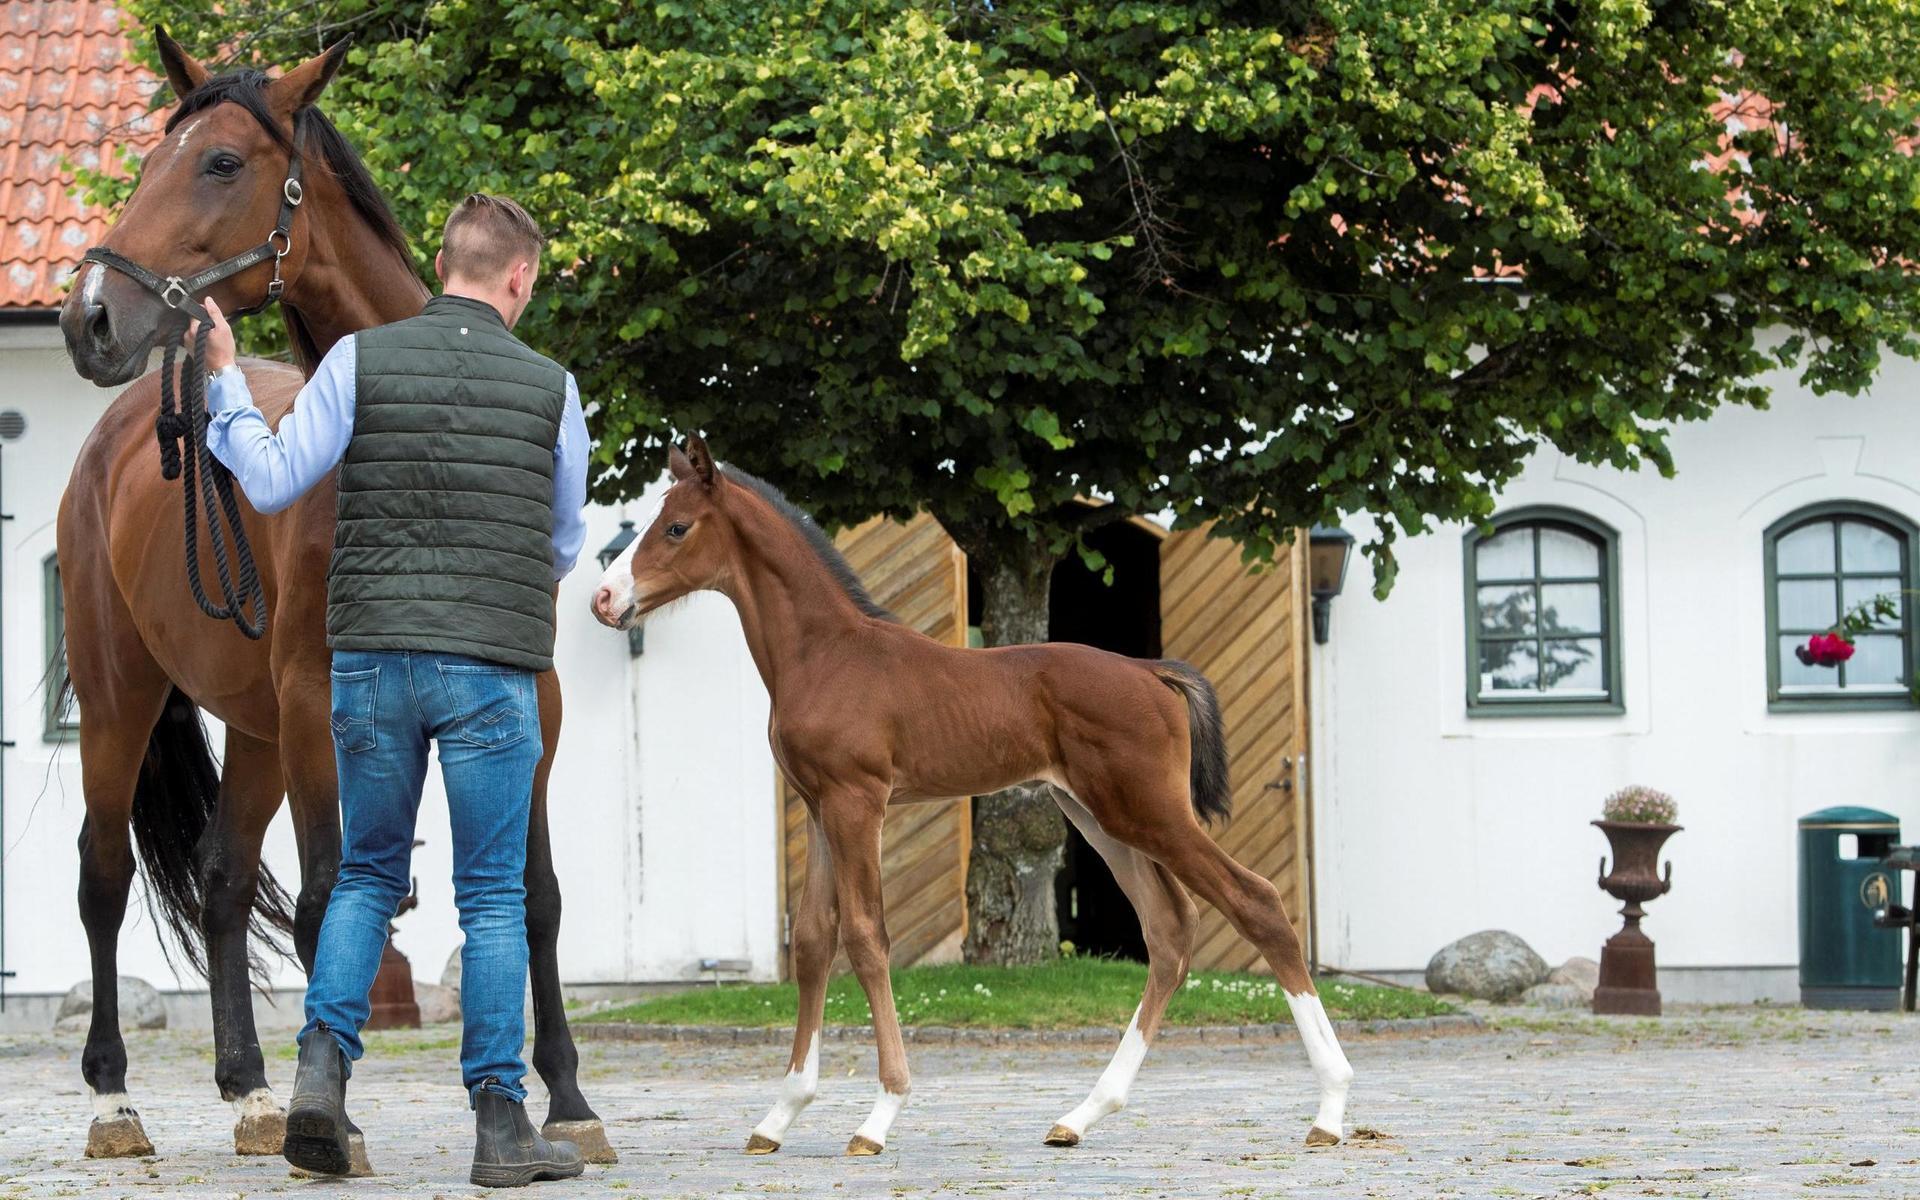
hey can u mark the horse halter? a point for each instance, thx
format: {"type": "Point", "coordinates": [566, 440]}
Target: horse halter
{"type": "Point", "coordinates": [182, 430]}
{"type": "Point", "coordinates": [182, 294]}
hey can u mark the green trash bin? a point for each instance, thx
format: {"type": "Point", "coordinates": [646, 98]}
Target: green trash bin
{"type": "Point", "coordinates": [1844, 961]}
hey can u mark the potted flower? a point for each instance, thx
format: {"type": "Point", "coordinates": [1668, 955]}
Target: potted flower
{"type": "Point", "coordinates": [1637, 821]}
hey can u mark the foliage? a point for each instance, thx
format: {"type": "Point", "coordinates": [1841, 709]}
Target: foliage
{"type": "Point", "coordinates": [1068, 993]}
{"type": "Point", "coordinates": [1232, 260]}
{"type": "Point", "coordinates": [1640, 804]}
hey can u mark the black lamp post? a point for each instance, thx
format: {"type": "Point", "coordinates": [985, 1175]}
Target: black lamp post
{"type": "Point", "coordinates": [1328, 549]}
{"type": "Point", "coordinates": [615, 547]}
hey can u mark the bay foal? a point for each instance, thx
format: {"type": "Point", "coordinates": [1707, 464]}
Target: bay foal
{"type": "Point", "coordinates": [868, 713]}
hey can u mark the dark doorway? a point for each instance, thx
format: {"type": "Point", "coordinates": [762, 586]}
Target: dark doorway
{"type": "Point", "coordinates": [1123, 617]}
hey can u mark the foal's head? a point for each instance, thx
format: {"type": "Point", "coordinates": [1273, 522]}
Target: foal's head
{"type": "Point", "coordinates": [210, 190]}
{"type": "Point", "coordinates": [684, 543]}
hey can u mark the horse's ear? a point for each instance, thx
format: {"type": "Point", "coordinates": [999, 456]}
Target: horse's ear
{"type": "Point", "coordinates": [677, 464]}
{"type": "Point", "coordinates": [701, 459]}
{"type": "Point", "coordinates": [184, 72]}
{"type": "Point", "coordinates": [301, 86]}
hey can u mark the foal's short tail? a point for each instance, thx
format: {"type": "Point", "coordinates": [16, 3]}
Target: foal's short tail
{"type": "Point", "coordinates": [1212, 797]}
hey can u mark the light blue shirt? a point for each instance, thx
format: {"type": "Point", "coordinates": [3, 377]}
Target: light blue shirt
{"type": "Point", "coordinates": [275, 469]}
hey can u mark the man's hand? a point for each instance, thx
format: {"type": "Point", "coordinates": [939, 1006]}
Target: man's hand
{"type": "Point", "coordinates": [220, 350]}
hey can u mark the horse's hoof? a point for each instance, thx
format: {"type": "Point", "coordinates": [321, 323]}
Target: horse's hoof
{"type": "Point", "coordinates": [358, 1165]}
{"type": "Point", "coordinates": [121, 1137]}
{"type": "Point", "coordinates": [1320, 1137]}
{"type": "Point", "coordinates": [1060, 1135]}
{"type": "Point", "coordinates": [760, 1143]}
{"type": "Point", "coordinates": [863, 1147]}
{"type": "Point", "coordinates": [589, 1135]}
{"type": "Point", "coordinates": [262, 1133]}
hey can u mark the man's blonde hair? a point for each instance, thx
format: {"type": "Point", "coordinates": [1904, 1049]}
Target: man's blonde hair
{"type": "Point", "coordinates": [486, 235]}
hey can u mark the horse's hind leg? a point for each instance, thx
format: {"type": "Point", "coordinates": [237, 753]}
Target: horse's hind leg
{"type": "Point", "coordinates": [1254, 908]}
{"type": "Point", "coordinates": [112, 746]}
{"type": "Point", "coordinates": [816, 929]}
{"type": "Point", "coordinates": [1167, 920]}
{"type": "Point", "coordinates": [251, 786]}
{"type": "Point", "coordinates": [569, 1117]}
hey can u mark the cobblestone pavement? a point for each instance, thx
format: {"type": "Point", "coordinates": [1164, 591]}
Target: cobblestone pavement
{"type": "Point", "coordinates": [1727, 1103]}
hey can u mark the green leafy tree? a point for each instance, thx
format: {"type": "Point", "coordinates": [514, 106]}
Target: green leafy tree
{"type": "Point", "coordinates": [1259, 264]}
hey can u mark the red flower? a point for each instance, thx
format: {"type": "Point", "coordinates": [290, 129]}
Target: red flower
{"type": "Point", "coordinates": [1827, 650]}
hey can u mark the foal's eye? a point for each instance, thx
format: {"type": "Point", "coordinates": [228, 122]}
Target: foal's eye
{"type": "Point", "coordinates": [677, 530]}
{"type": "Point", "coordinates": [226, 166]}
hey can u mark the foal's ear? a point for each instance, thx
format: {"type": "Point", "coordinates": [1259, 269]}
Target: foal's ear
{"type": "Point", "coordinates": [184, 72]}
{"type": "Point", "coordinates": [677, 464]}
{"type": "Point", "coordinates": [301, 86]}
{"type": "Point", "coordinates": [701, 459]}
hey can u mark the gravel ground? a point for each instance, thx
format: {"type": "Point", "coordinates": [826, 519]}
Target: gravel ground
{"type": "Point", "coordinates": [1749, 1102]}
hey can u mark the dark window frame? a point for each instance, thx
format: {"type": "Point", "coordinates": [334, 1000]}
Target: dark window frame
{"type": "Point", "coordinates": [1838, 511]}
{"type": "Point", "coordinates": [1546, 704]}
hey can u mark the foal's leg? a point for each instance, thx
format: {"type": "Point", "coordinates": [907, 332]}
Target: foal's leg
{"type": "Point", "coordinates": [816, 929]}
{"type": "Point", "coordinates": [569, 1117]}
{"type": "Point", "coordinates": [1167, 919]}
{"type": "Point", "coordinates": [250, 791]}
{"type": "Point", "coordinates": [1253, 906]}
{"type": "Point", "coordinates": [853, 835]}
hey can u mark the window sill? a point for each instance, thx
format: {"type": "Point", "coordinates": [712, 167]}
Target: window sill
{"type": "Point", "coordinates": [1840, 704]}
{"type": "Point", "coordinates": [1547, 708]}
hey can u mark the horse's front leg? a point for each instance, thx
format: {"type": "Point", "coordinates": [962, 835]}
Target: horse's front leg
{"type": "Point", "coordinates": [569, 1117]}
{"type": "Point", "coordinates": [853, 820]}
{"type": "Point", "coordinates": [250, 789]}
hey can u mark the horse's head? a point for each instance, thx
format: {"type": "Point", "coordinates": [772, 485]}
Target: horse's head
{"type": "Point", "coordinates": [210, 190]}
{"type": "Point", "coordinates": [684, 544]}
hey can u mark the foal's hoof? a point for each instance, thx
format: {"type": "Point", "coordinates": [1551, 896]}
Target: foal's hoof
{"type": "Point", "coordinates": [590, 1136]}
{"type": "Point", "coordinates": [1060, 1135]}
{"type": "Point", "coordinates": [1320, 1137]}
{"type": "Point", "coordinates": [120, 1137]}
{"type": "Point", "coordinates": [760, 1143]}
{"type": "Point", "coordinates": [863, 1147]}
{"type": "Point", "coordinates": [262, 1133]}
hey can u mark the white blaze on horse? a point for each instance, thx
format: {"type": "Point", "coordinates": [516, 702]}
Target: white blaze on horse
{"type": "Point", "coordinates": [868, 713]}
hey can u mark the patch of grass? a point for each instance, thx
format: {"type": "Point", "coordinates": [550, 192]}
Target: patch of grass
{"type": "Point", "coordinates": [1068, 993]}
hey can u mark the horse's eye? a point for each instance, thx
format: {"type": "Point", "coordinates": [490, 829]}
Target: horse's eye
{"type": "Point", "coordinates": [226, 166]}
{"type": "Point", "coordinates": [677, 530]}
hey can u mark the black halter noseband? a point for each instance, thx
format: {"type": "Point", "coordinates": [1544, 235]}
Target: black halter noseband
{"type": "Point", "coordinates": [207, 481]}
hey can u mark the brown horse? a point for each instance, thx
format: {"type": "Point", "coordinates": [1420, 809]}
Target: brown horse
{"type": "Point", "coordinates": [868, 713]}
{"type": "Point", "coordinates": [142, 657]}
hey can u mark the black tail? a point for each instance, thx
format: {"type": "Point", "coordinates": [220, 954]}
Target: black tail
{"type": "Point", "coordinates": [173, 803]}
{"type": "Point", "coordinates": [1212, 795]}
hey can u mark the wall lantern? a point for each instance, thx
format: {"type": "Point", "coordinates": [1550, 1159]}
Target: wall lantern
{"type": "Point", "coordinates": [1328, 549]}
{"type": "Point", "coordinates": [622, 538]}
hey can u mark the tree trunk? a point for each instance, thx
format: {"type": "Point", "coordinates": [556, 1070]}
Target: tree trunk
{"type": "Point", "coordinates": [1019, 835]}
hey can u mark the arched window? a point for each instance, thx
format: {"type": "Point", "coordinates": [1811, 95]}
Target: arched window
{"type": "Point", "coordinates": [1543, 603]}
{"type": "Point", "coordinates": [1821, 562]}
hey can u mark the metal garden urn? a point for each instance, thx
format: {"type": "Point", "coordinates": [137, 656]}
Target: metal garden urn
{"type": "Point", "coordinates": [1627, 980]}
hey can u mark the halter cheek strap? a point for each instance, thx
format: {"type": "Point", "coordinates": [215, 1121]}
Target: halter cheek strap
{"type": "Point", "coordinates": [183, 293]}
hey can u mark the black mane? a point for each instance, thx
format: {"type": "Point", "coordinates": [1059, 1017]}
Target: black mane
{"type": "Point", "coordinates": [313, 135]}
{"type": "Point", "coordinates": [817, 540]}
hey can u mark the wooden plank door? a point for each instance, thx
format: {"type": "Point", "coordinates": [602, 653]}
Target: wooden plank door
{"type": "Point", "coordinates": [914, 569]}
{"type": "Point", "coordinates": [1247, 634]}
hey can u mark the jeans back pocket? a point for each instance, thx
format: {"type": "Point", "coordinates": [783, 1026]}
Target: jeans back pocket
{"type": "Point", "coordinates": [489, 703]}
{"type": "Point", "coordinates": [354, 696]}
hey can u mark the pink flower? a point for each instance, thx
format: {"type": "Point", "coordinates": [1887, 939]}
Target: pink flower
{"type": "Point", "coordinates": [1827, 650]}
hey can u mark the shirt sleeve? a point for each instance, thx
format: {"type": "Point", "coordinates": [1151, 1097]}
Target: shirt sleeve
{"type": "Point", "coordinates": [570, 453]}
{"type": "Point", "coordinates": [277, 468]}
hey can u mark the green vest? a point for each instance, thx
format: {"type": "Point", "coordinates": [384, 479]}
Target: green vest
{"type": "Point", "coordinates": [445, 532]}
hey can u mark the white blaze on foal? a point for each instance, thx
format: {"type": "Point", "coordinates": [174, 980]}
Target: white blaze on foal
{"type": "Point", "coordinates": [619, 577]}
{"type": "Point", "coordinates": [1329, 1067]}
{"type": "Point", "coordinates": [796, 1092]}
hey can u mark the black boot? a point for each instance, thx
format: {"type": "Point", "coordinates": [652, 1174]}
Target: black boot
{"type": "Point", "coordinates": [317, 1122]}
{"type": "Point", "coordinates": [507, 1152]}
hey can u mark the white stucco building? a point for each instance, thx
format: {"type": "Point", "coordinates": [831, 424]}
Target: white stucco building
{"type": "Point", "coordinates": [1447, 803]}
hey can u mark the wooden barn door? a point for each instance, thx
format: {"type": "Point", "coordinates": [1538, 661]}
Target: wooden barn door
{"type": "Point", "coordinates": [1247, 634]}
{"type": "Point", "coordinates": [914, 569]}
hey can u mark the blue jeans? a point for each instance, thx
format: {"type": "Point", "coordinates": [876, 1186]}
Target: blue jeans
{"type": "Point", "coordinates": [387, 705]}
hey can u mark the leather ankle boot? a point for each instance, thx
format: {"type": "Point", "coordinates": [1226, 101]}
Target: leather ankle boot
{"type": "Point", "coordinates": [317, 1123]}
{"type": "Point", "coordinates": [509, 1152]}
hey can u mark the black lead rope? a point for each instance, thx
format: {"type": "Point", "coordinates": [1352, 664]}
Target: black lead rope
{"type": "Point", "coordinates": [205, 482]}
{"type": "Point", "coordinates": [181, 425]}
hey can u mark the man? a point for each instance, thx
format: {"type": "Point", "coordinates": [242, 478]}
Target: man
{"type": "Point", "coordinates": [463, 463]}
